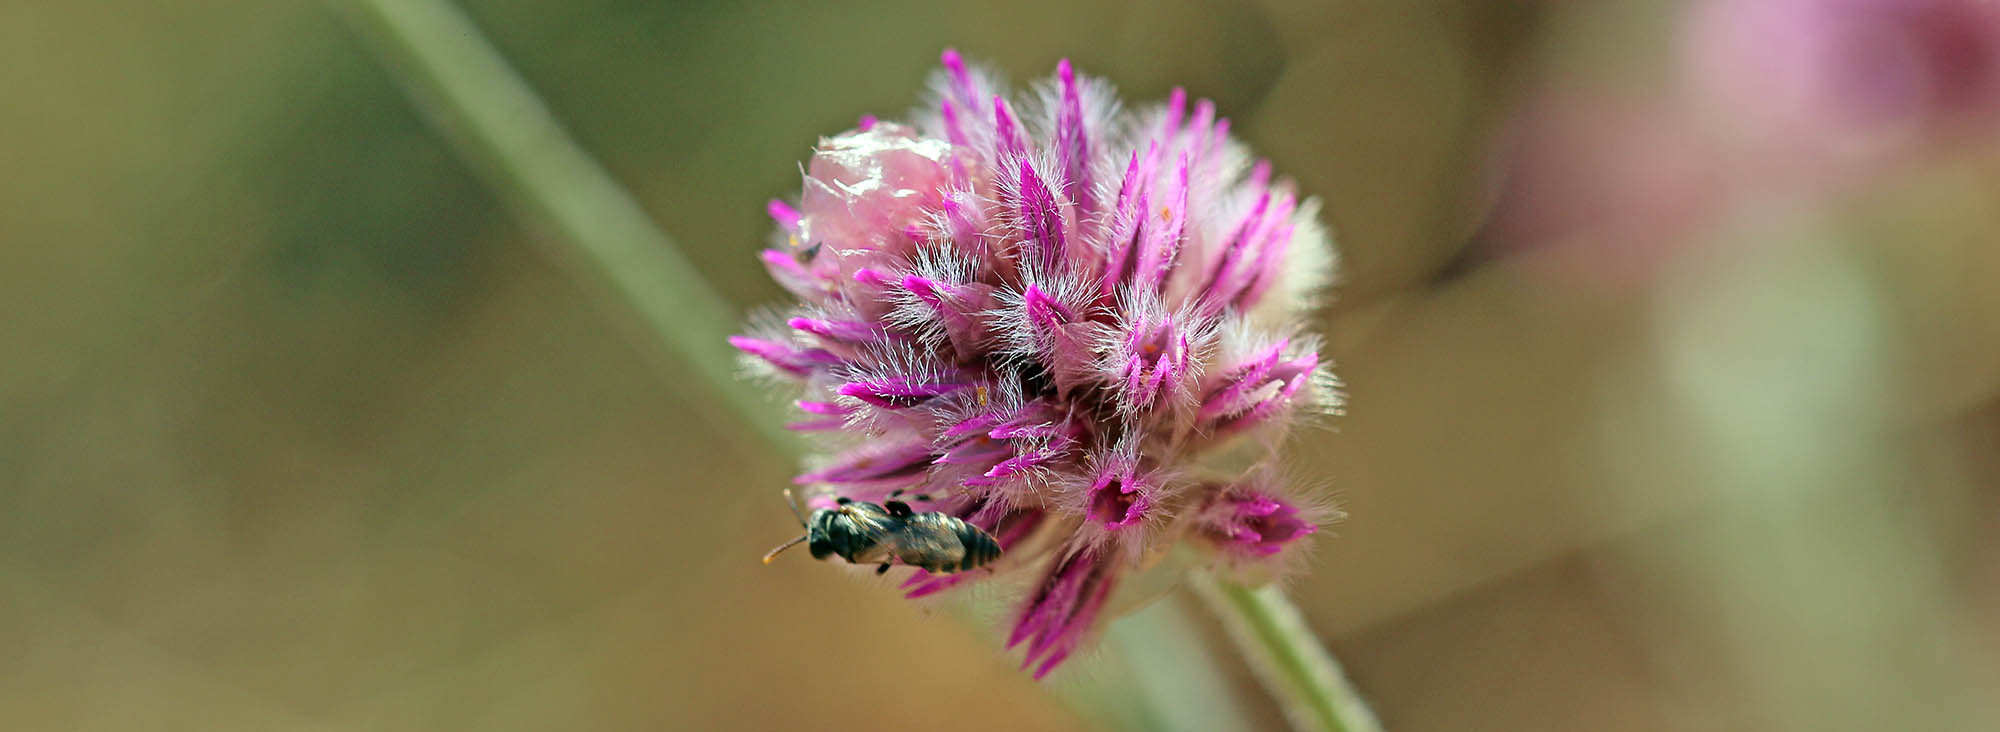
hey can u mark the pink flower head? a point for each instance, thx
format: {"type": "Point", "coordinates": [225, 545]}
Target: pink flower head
{"type": "Point", "coordinates": [1044, 315]}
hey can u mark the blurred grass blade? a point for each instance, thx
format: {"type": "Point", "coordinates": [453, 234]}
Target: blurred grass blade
{"type": "Point", "coordinates": [1287, 657]}
{"type": "Point", "coordinates": [501, 127]}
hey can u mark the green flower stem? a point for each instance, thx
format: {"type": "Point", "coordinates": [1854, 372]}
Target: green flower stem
{"type": "Point", "coordinates": [599, 232]}
{"type": "Point", "coordinates": [501, 127]}
{"type": "Point", "coordinates": [1287, 657]}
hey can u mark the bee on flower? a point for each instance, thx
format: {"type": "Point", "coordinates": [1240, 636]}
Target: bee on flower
{"type": "Point", "coordinates": [1076, 328]}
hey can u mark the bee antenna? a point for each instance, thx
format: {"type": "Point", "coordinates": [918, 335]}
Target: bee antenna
{"type": "Point", "coordinates": [794, 505]}
{"type": "Point", "coordinates": [773, 554]}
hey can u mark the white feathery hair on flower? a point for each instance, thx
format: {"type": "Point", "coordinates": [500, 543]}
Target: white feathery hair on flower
{"type": "Point", "coordinates": [1062, 322]}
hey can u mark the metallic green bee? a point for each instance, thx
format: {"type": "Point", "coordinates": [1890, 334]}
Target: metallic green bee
{"type": "Point", "coordinates": [864, 533]}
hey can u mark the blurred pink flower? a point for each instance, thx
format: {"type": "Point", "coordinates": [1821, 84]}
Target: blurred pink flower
{"type": "Point", "coordinates": [1040, 315]}
{"type": "Point", "coordinates": [1618, 180]}
{"type": "Point", "coordinates": [1815, 82]}
{"type": "Point", "coordinates": [1782, 103]}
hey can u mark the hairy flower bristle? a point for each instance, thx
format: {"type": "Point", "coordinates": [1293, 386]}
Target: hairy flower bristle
{"type": "Point", "coordinates": [1045, 315]}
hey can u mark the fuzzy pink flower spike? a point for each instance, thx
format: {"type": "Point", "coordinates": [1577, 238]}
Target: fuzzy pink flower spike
{"type": "Point", "coordinates": [1043, 315]}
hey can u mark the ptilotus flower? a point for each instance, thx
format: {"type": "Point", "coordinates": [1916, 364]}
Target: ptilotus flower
{"type": "Point", "coordinates": [1076, 327]}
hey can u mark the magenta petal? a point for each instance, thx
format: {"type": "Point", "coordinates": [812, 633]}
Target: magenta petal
{"type": "Point", "coordinates": [1162, 239]}
{"type": "Point", "coordinates": [923, 584]}
{"type": "Point", "coordinates": [1260, 175]}
{"type": "Point", "coordinates": [1176, 108]}
{"type": "Point", "coordinates": [817, 425]}
{"type": "Point", "coordinates": [838, 330]}
{"type": "Point", "coordinates": [831, 409]}
{"type": "Point", "coordinates": [1232, 265]}
{"type": "Point", "coordinates": [1045, 311]}
{"type": "Point", "coordinates": [871, 277]}
{"type": "Point", "coordinates": [1052, 600]}
{"type": "Point", "coordinates": [1270, 244]}
{"type": "Point", "coordinates": [1255, 525]}
{"type": "Point", "coordinates": [1118, 500]}
{"type": "Point", "coordinates": [966, 225]}
{"type": "Point", "coordinates": [1252, 254]}
{"type": "Point", "coordinates": [793, 276]}
{"type": "Point", "coordinates": [794, 361]}
{"type": "Point", "coordinates": [976, 451]}
{"type": "Point", "coordinates": [930, 291]}
{"type": "Point", "coordinates": [1288, 378]}
{"type": "Point", "coordinates": [1026, 426]}
{"type": "Point", "coordinates": [1204, 115]}
{"type": "Point", "coordinates": [1027, 458]}
{"type": "Point", "coordinates": [961, 80]}
{"type": "Point", "coordinates": [971, 426]}
{"type": "Point", "coordinates": [781, 212]}
{"type": "Point", "coordinates": [1006, 132]}
{"type": "Point", "coordinates": [1242, 381]}
{"type": "Point", "coordinates": [1215, 138]}
{"type": "Point", "coordinates": [1132, 218]}
{"type": "Point", "coordinates": [1072, 143]}
{"type": "Point", "coordinates": [1118, 246]}
{"type": "Point", "coordinates": [1049, 663]}
{"type": "Point", "coordinates": [1062, 611]}
{"type": "Point", "coordinates": [898, 393]}
{"type": "Point", "coordinates": [956, 307]}
{"type": "Point", "coordinates": [1156, 359]}
{"type": "Point", "coordinates": [1268, 260]}
{"type": "Point", "coordinates": [1019, 463]}
{"type": "Point", "coordinates": [1041, 220]}
{"type": "Point", "coordinates": [953, 131]}
{"type": "Point", "coordinates": [871, 464]}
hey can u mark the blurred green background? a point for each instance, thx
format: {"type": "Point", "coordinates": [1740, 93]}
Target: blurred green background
{"type": "Point", "coordinates": [301, 429]}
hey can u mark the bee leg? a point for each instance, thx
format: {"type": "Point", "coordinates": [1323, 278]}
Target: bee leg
{"type": "Point", "coordinates": [882, 570]}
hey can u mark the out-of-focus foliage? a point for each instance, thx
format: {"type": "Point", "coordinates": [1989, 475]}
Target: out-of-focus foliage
{"type": "Point", "coordinates": [1655, 422]}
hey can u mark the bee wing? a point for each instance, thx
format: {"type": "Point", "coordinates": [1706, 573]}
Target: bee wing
{"type": "Point", "coordinates": [864, 533]}
{"type": "Point", "coordinates": [928, 540]}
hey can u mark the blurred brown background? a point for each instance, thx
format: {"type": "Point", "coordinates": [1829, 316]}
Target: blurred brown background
{"type": "Point", "coordinates": [300, 429]}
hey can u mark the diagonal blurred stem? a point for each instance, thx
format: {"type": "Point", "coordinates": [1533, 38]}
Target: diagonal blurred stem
{"type": "Point", "coordinates": [502, 128]}
{"type": "Point", "coordinates": [505, 131]}
{"type": "Point", "coordinates": [1287, 657]}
